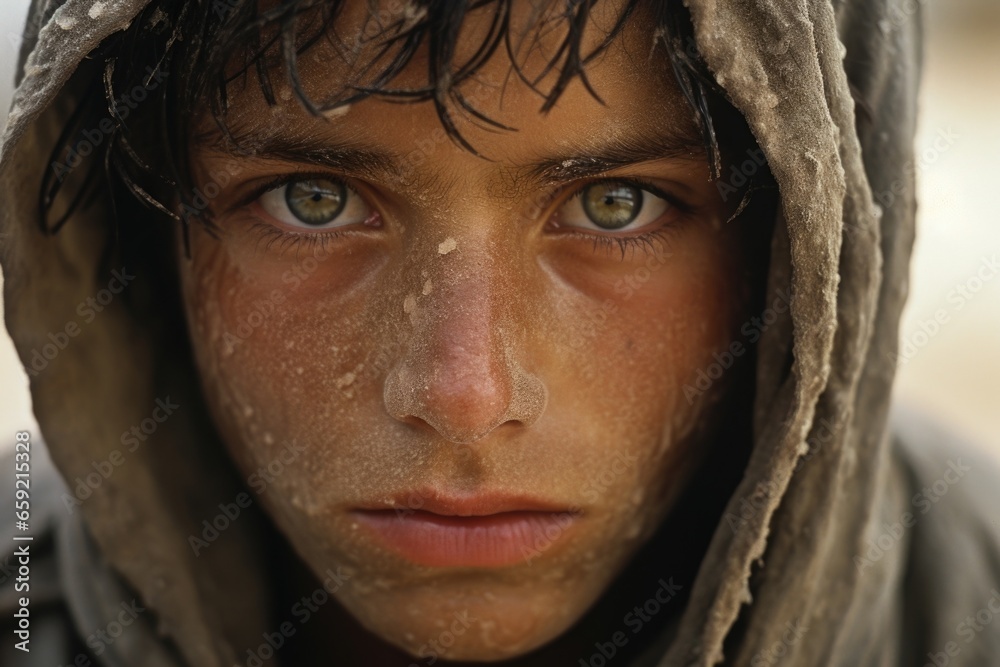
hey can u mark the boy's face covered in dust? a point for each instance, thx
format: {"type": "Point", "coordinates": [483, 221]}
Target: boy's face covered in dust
{"type": "Point", "coordinates": [477, 374]}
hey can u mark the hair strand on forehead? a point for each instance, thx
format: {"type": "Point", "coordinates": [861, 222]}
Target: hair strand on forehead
{"type": "Point", "coordinates": [199, 49]}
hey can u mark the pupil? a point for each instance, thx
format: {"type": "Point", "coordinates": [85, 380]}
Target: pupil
{"type": "Point", "coordinates": [316, 202]}
{"type": "Point", "coordinates": [612, 205]}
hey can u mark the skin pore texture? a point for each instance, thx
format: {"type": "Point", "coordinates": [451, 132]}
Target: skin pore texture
{"type": "Point", "coordinates": [463, 334]}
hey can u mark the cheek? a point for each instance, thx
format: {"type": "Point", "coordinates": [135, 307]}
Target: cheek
{"type": "Point", "coordinates": [635, 341]}
{"type": "Point", "coordinates": [285, 360]}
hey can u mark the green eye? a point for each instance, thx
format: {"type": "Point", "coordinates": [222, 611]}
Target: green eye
{"type": "Point", "coordinates": [611, 205]}
{"type": "Point", "coordinates": [316, 202]}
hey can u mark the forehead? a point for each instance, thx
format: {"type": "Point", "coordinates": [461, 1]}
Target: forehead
{"type": "Point", "coordinates": [632, 90]}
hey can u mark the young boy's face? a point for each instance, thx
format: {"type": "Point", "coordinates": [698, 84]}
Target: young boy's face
{"type": "Point", "coordinates": [499, 348]}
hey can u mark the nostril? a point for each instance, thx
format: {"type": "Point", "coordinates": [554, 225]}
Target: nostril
{"type": "Point", "coordinates": [459, 371]}
{"type": "Point", "coordinates": [460, 404]}
{"type": "Point", "coordinates": [464, 412]}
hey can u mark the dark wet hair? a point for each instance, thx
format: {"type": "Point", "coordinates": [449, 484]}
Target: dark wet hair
{"type": "Point", "coordinates": [178, 56]}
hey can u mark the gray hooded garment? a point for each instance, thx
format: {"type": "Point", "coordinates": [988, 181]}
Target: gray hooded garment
{"type": "Point", "coordinates": [812, 538]}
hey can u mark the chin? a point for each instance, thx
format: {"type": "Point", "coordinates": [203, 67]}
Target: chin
{"type": "Point", "coordinates": [480, 623]}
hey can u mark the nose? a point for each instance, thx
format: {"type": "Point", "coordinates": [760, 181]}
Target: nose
{"type": "Point", "coordinates": [459, 373]}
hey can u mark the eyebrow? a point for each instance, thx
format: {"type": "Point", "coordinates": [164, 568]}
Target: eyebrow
{"type": "Point", "coordinates": [601, 157]}
{"type": "Point", "coordinates": [309, 149]}
{"type": "Point", "coordinates": [584, 160]}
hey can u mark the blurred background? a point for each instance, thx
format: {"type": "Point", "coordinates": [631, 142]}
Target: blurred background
{"type": "Point", "coordinates": [954, 373]}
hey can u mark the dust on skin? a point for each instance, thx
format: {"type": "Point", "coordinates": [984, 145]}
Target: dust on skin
{"type": "Point", "coordinates": [481, 389]}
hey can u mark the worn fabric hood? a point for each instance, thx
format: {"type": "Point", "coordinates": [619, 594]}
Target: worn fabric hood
{"type": "Point", "coordinates": [823, 474]}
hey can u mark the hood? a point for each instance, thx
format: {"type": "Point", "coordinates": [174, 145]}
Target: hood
{"type": "Point", "coordinates": [819, 476]}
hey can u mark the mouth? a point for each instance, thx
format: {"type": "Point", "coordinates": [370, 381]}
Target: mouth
{"type": "Point", "coordinates": [481, 530]}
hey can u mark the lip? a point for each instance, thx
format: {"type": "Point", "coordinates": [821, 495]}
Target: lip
{"type": "Point", "coordinates": [481, 530]}
{"type": "Point", "coordinates": [469, 504]}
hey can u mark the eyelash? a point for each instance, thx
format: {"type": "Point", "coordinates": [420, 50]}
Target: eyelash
{"type": "Point", "coordinates": [645, 241]}
{"type": "Point", "coordinates": [269, 235]}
